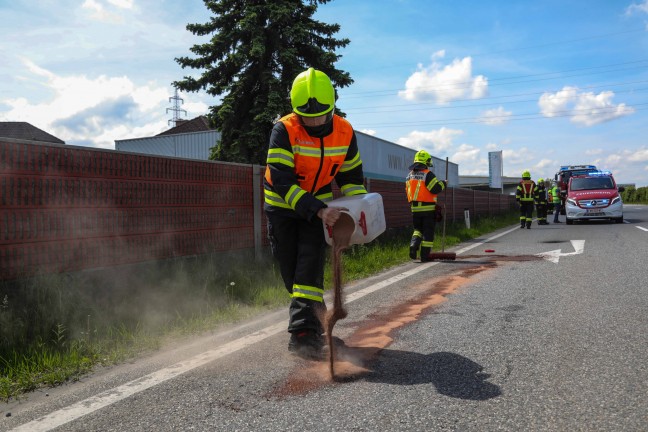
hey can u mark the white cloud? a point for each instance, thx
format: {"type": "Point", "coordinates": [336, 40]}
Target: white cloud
{"type": "Point", "coordinates": [197, 107]}
{"type": "Point", "coordinates": [122, 4]}
{"type": "Point", "coordinates": [466, 154]}
{"type": "Point", "coordinates": [438, 55]}
{"type": "Point", "coordinates": [640, 155]}
{"type": "Point", "coordinates": [368, 131]}
{"type": "Point", "coordinates": [543, 164]}
{"type": "Point", "coordinates": [99, 12]}
{"type": "Point", "coordinates": [435, 141]}
{"type": "Point", "coordinates": [584, 108]}
{"type": "Point", "coordinates": [554, 104]}
{"type": "Point", "coordinates": [472, 159]}
{"type": "Point", "coordinates": [495, 116]}
{"type": "Point", "coordinates": [627, 165]}
{"type": "Point", "coordinates": [519, 156]}
{"type": "Point", "coordinates": [93, 111]}
{"type": "Point", "coordinates": [444, 84]}
{"type": "Point", "coordinates": [593, 152]}
{"type": "Point", "coordinates": [637, 8]}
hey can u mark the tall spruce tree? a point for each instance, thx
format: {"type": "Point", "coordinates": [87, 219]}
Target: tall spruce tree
{"type": "Point", "coordinates": [257, 48]}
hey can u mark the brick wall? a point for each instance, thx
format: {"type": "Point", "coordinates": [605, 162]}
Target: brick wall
{"type": "Point", "coordinates": [66, 208]}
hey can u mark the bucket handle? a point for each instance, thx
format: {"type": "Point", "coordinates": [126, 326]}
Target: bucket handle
{"type": "Point", "coordinates": [362, 223]}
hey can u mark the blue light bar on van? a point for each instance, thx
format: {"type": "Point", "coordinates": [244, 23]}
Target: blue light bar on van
{"type": "Point", "coordinates": [600, 173]}
{"type": "Point", "coordinates": [577, 167]}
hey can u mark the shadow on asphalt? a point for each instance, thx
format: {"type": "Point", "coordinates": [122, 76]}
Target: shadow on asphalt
{"type": "Point", "coordinates": [452, 374]}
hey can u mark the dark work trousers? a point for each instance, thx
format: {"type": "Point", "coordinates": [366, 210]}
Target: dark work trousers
{"type": "Point", "coordinates": [300, 248]}
{"type": "Point", "coordinates": [541, 210]}
{"type": "Point", "coordinates": [526, 213]}
{"type": "Point", "coordinates": [557, 207]}
{"type": "Point", "coordinates": [425, 222]}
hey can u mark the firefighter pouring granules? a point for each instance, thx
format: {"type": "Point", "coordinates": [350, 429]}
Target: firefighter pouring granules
{"type": "Point", "coordinates": [308, 149]}
{"type": "Point", "coordinates": [422, 187]}
{"type": "Point", "coordinates": [525, 196]}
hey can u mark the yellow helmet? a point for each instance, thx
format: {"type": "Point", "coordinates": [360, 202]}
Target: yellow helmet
{"type": "Point", "coordinates": [540, 180]}
{"type": "Point", "coordinates": [312, 94]}
{"type": "Point", "coordinates": [526, 174]}
{"type": "Point", "coordinates": [423, 157]}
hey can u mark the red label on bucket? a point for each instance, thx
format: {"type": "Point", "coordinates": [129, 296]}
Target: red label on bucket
{"type": "Point", "coordinates": [363, 223]}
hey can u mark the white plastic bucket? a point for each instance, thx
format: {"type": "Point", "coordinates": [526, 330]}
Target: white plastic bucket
{"type": "Point", "coordinates": [368, 215]}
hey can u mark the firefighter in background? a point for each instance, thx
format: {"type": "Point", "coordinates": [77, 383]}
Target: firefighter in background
{"type": "Point", "coordinates": [541, 202]}
{"type": "Point", "coordinates": [308, 149]}
{"type": "Point", "coordinates": [525, 195]}
{"type": "Point", "coordinates": [555, 197]}
{"type": "Point", "coordinates": [422, 187]}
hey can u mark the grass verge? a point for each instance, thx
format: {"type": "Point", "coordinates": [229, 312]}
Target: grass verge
{"type": "Point", "coordinates": [56, 328]}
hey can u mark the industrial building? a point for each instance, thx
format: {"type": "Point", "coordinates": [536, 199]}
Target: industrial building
{"type": "Point", "coordinates": [193, 139]}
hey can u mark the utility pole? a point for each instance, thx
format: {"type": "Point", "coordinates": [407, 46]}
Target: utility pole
{"type": "Point", "coordinates": [177, 101]}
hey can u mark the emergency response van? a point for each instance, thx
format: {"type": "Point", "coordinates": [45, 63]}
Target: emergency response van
{"type": "Point", "coordinates": [562, 179]}
{"type": "Point", "coordinates": [593, 195]}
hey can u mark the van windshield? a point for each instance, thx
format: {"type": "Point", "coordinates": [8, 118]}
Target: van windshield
{"type": "Point", "coordinates": [589, 183]}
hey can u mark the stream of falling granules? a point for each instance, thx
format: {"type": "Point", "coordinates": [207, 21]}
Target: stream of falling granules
{"type": "Point", "coordinates": [342, 231]}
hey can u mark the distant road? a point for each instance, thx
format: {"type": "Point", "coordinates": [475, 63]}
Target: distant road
{"type": "Point", "coordinates": [547, 333]}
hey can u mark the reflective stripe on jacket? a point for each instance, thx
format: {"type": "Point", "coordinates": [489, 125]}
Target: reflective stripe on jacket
{"type": "Point", "coordinates": [307, 165]}
{"type": "Point", "coordinates": [541, 195]}
{"type": "Point", "coordinates": [525, 191]}
{"type": "Point", "coordinates": [420, 186]}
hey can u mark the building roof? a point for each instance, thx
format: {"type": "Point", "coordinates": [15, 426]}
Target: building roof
{"type": "Point", "coordinates": [27, 132]}
{"type": "Point", "coordinates": [477, 180]}
{"type": "Point", "coordinates": [198, 124]}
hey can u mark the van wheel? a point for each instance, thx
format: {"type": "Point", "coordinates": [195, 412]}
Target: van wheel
{"type": "Point", "coordinates": [569, 221]}
{"type": "Point", "coordinates": [618, 220]}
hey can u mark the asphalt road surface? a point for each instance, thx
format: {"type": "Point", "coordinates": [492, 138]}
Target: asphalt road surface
{"type": "Point", "coordinates": [547, 333]}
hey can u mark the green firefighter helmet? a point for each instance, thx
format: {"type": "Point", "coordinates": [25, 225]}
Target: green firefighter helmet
{"type": "Point", "coordinates": [526, 174]}
{"type": "Point", "coordinates": [423, 157]}
{"type": "Point", "coordinates": [312, 94]}
{"type": "Point", "coordinates": [540, 180]}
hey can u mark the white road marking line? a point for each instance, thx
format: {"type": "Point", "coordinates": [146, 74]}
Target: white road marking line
{"type": "Point", "coordinates": [642, 228]}
{"type": "Point", "coordinates": [109, 397]}
{"type": "Point", "coordinates": [554, 255]}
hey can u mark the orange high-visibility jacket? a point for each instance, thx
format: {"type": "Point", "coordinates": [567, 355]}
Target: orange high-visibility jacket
{"type": "Point", "coordinates": [417, 189]}
{"type": "Point", "coordinates": [305, 166]}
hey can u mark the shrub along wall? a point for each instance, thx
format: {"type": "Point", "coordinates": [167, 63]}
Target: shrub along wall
{"type": "Point", "coordinates": [69, 208]}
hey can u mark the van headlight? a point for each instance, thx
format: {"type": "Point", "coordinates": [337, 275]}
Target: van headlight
{"type": "Point", "coordinates": [615, 200]}
{"type": "Point", "coordinates": [571, 201]}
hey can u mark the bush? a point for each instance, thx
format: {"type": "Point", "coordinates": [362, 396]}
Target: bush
{"type": "Point", "coordinates": [632, 195]}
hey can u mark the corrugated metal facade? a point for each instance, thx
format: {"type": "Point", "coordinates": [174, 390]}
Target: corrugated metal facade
{"type": "Point", "coordinates": [381, 159]}
{"type": "Point", "coordinates": [194, 145]}
{"type": "Point", "coordinates": [386, 160]}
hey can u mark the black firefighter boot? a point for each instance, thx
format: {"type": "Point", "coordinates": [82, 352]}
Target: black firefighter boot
{"type": "Point", "coordinates": [414, 246]}
{"type": "Point", "coordinates": [425, 254]}
{"type": "Point", "coordinates": [528, 224]}
{"type": "Point", "coordinates": [522, 223]}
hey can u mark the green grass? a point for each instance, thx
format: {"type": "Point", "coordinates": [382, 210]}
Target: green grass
{"type": "Point", "coordinates": [56, 328]}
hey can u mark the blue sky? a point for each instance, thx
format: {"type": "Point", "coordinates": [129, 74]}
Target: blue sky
{"type": "Point", "coordinates": [548, 83]}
